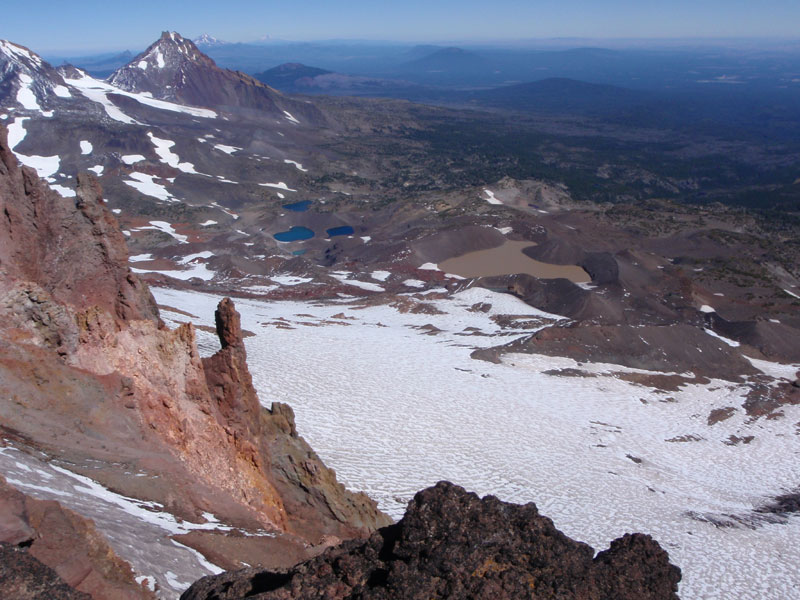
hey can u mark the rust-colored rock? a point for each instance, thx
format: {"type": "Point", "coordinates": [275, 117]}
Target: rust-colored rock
{"type": "Point", "coordinates": [229, 324]}
{"type": "Point", "coordinates": [68, 544]}
{"type": "Point", "coordinates": [315, 504]}
{"type": "Point", "coordinates": [71, 248]}
{"type": "Point", "coordinates": [86, 361]}
{"type": "Point", "coordinates": [451, 544]}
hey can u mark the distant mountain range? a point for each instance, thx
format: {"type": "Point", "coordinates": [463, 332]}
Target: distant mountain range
{"type": "Point", "coordinates": [474, 67]}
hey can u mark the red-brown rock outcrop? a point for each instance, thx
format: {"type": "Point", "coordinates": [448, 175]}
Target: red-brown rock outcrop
{"type": "Point", "coordinates": [89, 373]}
{"type": "Point", "coordinates": [67, 543]}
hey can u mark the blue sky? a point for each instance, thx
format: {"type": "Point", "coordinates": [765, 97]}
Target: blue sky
{"type": "Point", "coordinates": [47, 25]}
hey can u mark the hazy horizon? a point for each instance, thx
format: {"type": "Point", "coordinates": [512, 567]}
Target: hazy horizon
{"type": "Point", "coordinates": [100, 27]}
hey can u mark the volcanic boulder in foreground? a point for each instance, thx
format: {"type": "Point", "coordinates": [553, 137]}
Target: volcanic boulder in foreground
{"type": "Point", "coordinates": [451, 544]}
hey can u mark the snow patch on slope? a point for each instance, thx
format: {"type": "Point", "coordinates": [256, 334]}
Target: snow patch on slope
{"type": "Point", "coordinates": [130, 159]}
{"type": "Point", "coordinates": [25, 95]}
{"type": "Point", "coordinates": [45, 166]}
{"type": "Point", "coordinates": [280, 186]}
{"type": "Point", "coordinates": [296, 164]}
{"type": "Point", "coordinates": [491, 198]}
{"type": "Point", "coordinates": [224, 148]}
{"type": "Point", "coordinates": [146, 184]}
{"type": "Point", "coordinates": [163, 149]}
{"type": "Point", "coordinates": [343, 276]}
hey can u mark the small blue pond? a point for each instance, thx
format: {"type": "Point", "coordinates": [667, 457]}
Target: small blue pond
{"type": "Point", "coordinates": [301, 206]}
{"type": "Point", "coordinates": [295, 234]}
{"type": "Point", "coordinates": [343, 230]}
{"type": "Point", "coordinates": [300, 252]}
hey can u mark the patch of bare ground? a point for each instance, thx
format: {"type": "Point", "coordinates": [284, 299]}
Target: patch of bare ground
{"type": "Point", "coordinates": [483, 307]}
{"type": "Point", "coordinates": [686, 438]}
{"type": "Point", "coordinates": [784, 504]}
{"type": "Point", "coordinates": [213, 330]}
{"type": "Point", "coordinates": [775, 511]}
{"type": "Point", "coordinates": [329, 322]}
{"type": "Point", "coordinates": [427, 329]}
{"type": "Point", "coordinates": [670, 383]}
{"type": "Point", "coordinates": [405, 304]}
{"type": "Point", "coordinates": [471, 331]}
{"type": "Point", "coordinates": [177, 311]}
{"type": "Point", "coordinates": [720, 414]}
{"type": "Point", "coordinates": [226, 549]}
{"type": "Point", "coordinates": [764, 400]}
{"type": "Point", "coordinates": [569, 372]}
{"type": "Point", "coordinates": [518, 321]}
{"type": "Point", "coordinates": [735, 440]}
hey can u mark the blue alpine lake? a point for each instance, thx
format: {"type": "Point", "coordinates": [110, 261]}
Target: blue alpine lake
{"type": "Point", "coordinates": [295, 234]}
{"type": "Point", "coordinates": [343, 230]}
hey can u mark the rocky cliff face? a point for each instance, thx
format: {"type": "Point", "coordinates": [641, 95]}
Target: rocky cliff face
{"type": "Point", "coordinates": [74, 252]}
{"type": "Point", "coordinates": [451, 544]}
{"type": "Point", "coordinates": [89, 374]}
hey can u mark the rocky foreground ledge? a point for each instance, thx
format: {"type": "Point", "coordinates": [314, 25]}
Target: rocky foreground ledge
{"type": "Point", "coordinates": [452, 544]}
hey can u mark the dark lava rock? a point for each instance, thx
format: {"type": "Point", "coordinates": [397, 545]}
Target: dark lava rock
{"type": "Point", "coordinates": [601, 267]}
{"type": "Point", "coordinates": [785, 504]}
{"type": "Point", "coordinates": [558, 296]}
{"type": "Point", "coordinates": [675, 348]}
{"type": "Point", "coordinates": [23, 577]}
{"type": "Point", "coordinates": [777, 341]}
{"type": "Point", "coordinates": [452, 544]}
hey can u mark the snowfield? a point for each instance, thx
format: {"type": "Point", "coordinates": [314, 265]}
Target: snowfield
{"type": "Point", "coordinates": [97, 91]}
{"type": "Point", "coordinates": [393, 402]}
{"type": "Point", "coordinates": [146, 184]}
{"type": "Point", "coordinates": [164, 150]}
{"type": "Point", "coordinates": [45, 166]}
{"type": "Point", "coordinates": [491, 198]}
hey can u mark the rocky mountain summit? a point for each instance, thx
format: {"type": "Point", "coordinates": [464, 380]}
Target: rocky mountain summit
{"type": "Point", "coordinates": [451, 544]}
{"type": "Point", "coordinates": [172, 68]}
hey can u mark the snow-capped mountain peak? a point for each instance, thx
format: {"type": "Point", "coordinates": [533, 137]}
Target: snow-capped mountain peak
{"type": "Point", "coordinates": [12, 52]}
{"type": "Point", "coordinates": [208, 41]}
{"type": "Point", "coordinates": [162, 67]}
{"type": "Point", "coordinates": [174, 69]}
{"type": "Point", "coordinates": [30, 79]}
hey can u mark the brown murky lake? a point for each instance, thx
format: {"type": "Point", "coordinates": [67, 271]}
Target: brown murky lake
{"type": "Point", "coordinates": [508, 259]}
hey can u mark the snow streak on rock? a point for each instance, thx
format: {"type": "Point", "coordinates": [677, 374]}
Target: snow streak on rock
{"type": "Point", "coordinates": [137, 530]}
